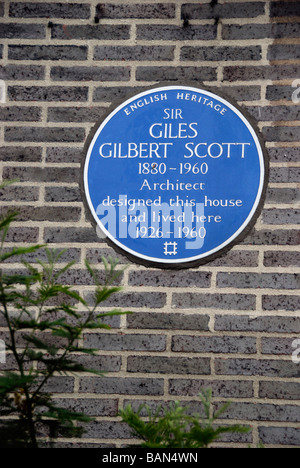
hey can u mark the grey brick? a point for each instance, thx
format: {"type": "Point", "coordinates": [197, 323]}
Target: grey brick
{"type": "Point", "coordinates": [279, 435]}
{"type": "Point", "coordinates": [22, 72]}
{"type": "Point", "coordinates": [283, 52]}
{"type": "Point", "coordinates": [266, 368]}
{"type": "Point", "coordinates": [90, 73]}
{"type": "Point", "coordinates": [143, 11]}
{"type": "Point", "coordinates": [283, 195]}
{"type": "Point", "coordinates": [49, 10]}
{"type": "Point", "coordinates": [107, 430]}
{"type": "Point", "coordinates": [277, 346]}
{"type": "Point", "coordinates": [170, 279]}
{"type": "Point", "coordinates": [191, 407]}
{"type": "Point", "coordinates": [207, 11]}
{"type": "Point", "coordinates": [220, 388]}
{"type": "Point", "coordinates": [232, 437]}
{"type": "Point", "coordinates": [265, 324]}
{"type": "Point", "coordinates": [276, 237]}
{"type": "Point", "coordinates": [71, 445]}
{"type": "Point", "coordinates": [122, 386]}
{"type": "Point", "coordinates": [242, 93]}
{"type": "Point", "coordinates": [260, 31]}
{"type": "Point", "coordinates": [90, 32]}
{"type": "Point", "coordinates": [277, 258]}
{"type": "Point", "coordinates": [62, 154]}
{"type": "Point", "coordinates": [100, 363]}
{"type": "Point", "coordinates": [284, 8]}
{"type": "Point", "coordinates": [281, 133]}
{"type": "Point", "coordinates": [49, 213]}
{"type": "Point", "coordinates": [23, 234]}
{"type": "Point", "coordinates": [71, 254]}
{"type": "Point", "coordinates": [17, 113]}
{"type": "Point", "coordinates": [75, 114]}
{"type": "Point", "coordinates": [281, 302]}
{"type": "Point", "coordinates": [258, 280]}
{"type": "Point", "coordinates": [152, 300]}
{"type": "Point", "coordinates": [273, 113]}
{"type": "Point", "coordinates": [14, 193]}
{"type": "Point", "coordinates": [261, 412]}
{"type": "Point", "coordinates": [62, 194]}
{"type": "Point", "coordinates": [214, 301]}
{"type": "Point", "coordinates": [167, 365]}
{"type": "Point", "coordinates": [168, 321]}
{"type": "Point", "coordinates": [219, 54]}
{"type": "Point", "coordinates": [39, 174]}
{"type": "Point", "coordinates": [284, 175]}
{"type": "Point", "coordinates": [47, 52]}
{"type": "Point", "coordinates": [279, 390]}
{"type": "Point", "coordinates": [70, 235]}
{"type": "Point", "coordinates": [234, 258]}
{"type": "Point", "coordinates": [39, 134]}
{"type": "Point", "coordinates": [59, 385]}
{"type": "Point", "coordinates": [277, 92]}
{"type": "Point", "coordinates": [167, 32]}
{"type": "Point", "coordinates": [176, 73]}
{"type": "Point", "coordinates": [19, 154]}
{"type": "Point", "coordinates": [129, 53]}
{"type": "Point", "coordinates": [47, 93]}
{"type": "Point", "coordinates": [284, 154]}
{"type": "Point", "coordinates": [263, 72]}
{"type": "Point", "coordinates": [214, 344]}
{"type": "Point", "coordinates": [10, 362]}
{"type": "Point", "coordinates": [90, 406]}
{"type": "Point", "coordinates": [283, 216]}
{"type": "Point", "coordinates": [22, 31]}
{"type": "Point", "coordinates": [112, 93]}
{"type": "Point", "coordinates": [94, 255]}
{"type": "Point", "coordinates": [2, 9]}
{"type": "Point", "coordinates": [125, 342]}
{"type": "Point", "coordinates": [112, 321]}
{"type": "Point", "coordinates": [83, 277]}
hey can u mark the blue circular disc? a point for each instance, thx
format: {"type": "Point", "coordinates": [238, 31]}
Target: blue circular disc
{"type": "Point", "coordinates": [174, 175]}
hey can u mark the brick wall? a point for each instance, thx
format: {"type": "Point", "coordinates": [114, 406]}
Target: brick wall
{"type": "Point", "coordinates": [229, 324]}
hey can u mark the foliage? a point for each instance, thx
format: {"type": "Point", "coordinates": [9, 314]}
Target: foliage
{"type": "Point", "coordinates": [174, 427]}
{"type": "Point", "coordinates": [45, 321]}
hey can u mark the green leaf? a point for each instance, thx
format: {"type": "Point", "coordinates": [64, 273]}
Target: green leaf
{"type": "Point", "coordinates": [65, 414]}
{"type": "Point", "coordinates": [112, 313]}
{"type": "Point", "coordinates": [174, 427]}
{"type": "Point", "coordinates": [40, 344]}
{"type": "Point", "coordinates": [91, 272]}
{"type": "Point", "coordinates": [96, 325]}
{"type": "Point", "coordinates": [102, 294]}
{"type": "Point", "coordinates": [26, 280]}
{"type": "Point", "coordinates": [6, 220]}
{"type": "Point", "coordinates": [63, 270]}
{"type": "Point", "coordinates": [6, 183]}
{"type": "Point", "coordinates": [17, 251]}
{"type": "Point", "coordinates": [11, 381]}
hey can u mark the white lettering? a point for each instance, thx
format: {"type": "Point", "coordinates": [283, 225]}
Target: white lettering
{"type": "Point", "coordinates": [296, 353]}
{"type": "Point", "coordinates": [173, 131]}
{"type": "Point", "coordinates": [216, 150]}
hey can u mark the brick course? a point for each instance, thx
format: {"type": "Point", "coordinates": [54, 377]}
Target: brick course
{"type": "Point", "coordinates": [229, 324]}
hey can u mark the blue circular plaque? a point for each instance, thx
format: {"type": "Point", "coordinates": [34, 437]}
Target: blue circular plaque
{"type": "Point", "coordinates": [174, 176]}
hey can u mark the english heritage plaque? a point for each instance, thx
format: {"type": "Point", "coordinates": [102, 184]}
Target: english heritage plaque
{"type": "Point", "coordinates": [174, 176]}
